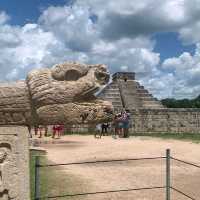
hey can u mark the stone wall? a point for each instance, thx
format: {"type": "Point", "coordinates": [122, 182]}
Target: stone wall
{"type": "Point", "coordinates": [166, 120]}
{"type": "Point", "coordinates": [173, 120]}
{"type": "Point", "coordinates": [14, 164]}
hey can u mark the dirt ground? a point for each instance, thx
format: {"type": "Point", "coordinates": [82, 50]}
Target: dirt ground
{"type": "Point", "coordinates": [129, 174]}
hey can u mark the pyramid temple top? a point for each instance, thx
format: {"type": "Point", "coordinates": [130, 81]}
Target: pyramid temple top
{"type": "Point", "coordinates": [124, 75]}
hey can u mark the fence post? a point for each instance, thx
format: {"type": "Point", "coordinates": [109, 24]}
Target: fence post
{"type": "Point", "coordinates": [37, 178]}
{"type": "Point", "coordinates": [168, 174]}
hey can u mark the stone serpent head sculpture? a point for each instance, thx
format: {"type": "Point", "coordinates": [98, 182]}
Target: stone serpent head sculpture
{"type": "Point", "coordinates": [62, 94]}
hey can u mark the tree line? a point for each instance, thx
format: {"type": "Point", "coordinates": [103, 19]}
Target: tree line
{"type": "Point", "coordinates": [181, 103]}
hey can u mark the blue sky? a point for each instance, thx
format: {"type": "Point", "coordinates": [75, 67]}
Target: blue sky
{"type": "Point", "coordinates": [24, 11]}
{"type": "Point", "coordinates": [169, 45]}
{"type": "Point", "coordinates": [157, 39]}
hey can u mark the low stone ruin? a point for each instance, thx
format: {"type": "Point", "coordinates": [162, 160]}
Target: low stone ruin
{"type": "Point", "coordinates": [62, 94]}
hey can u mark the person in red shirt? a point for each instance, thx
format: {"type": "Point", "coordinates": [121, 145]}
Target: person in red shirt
{"type": "Point", "coordinates": [54, 128]}
{"type": "Point", "coordinates": [57, 129]}
{"type": "Point", "coordinates": [41, 130]}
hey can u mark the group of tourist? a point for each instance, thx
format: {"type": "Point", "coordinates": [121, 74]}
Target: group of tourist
{"type": "Point", "coordinates": [119, 126]}
{"type": "Point", "coordinates": [57, 131]}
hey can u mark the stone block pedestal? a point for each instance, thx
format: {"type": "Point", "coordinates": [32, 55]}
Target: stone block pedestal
{"type": "Point", "coordinates": [14, 163]}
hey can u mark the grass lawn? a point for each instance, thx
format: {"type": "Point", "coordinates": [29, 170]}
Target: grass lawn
{"type": "Point", "coordinates": [194, 137]}
{"type": "Point", "coordinates": [33, 154]}
{"type": "Point", "coordinates": [53, 180]}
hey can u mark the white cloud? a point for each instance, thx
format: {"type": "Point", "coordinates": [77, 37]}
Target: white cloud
{"type": "Point", "coordinates": [124, 68]}
{"type": "Point", "coordinates": [23, 48]}
{"type": "Point", "coordinates": [190, 34]}
{"type": "Point", "coordinates": [116, 34]}
{"type": "Point", "coordinates": [133, 53]}
{"type": "Point", "coordinates": [160, 84]}
{"type": "Point", "coordinates": [13, 74]}
{"type": "Point", "coordinates": [132, 18]}
{"type": "Point", "coordinates": [186, 71]}
{"type": "Point", "coordinates": [72, 25]}
{"type": "Point", "coordinates": [183, 62]}
{"type": "Point", "coordinates": [3, 17]}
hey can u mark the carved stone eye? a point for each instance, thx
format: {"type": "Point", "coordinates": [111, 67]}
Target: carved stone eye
{"type": "Point", "coordinates": [64, 73]}
{"type": "Point", "coordinates": [57, 69]}
{"type": "Point", "coordinates": [72, 75]}
{"type": "Point", "coordinates": [102, 76]}
{"type": "Point", "coordinates": [4, 147]}
{"type": "Point", "coordinates": [3, 155]}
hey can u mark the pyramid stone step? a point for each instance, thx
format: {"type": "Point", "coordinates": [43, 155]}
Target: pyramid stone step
{"type": "Point", "coordinates": [114, 89]}
{"type": "Point", "coordinates": [151, 103]}
{"type": "Point", "coordinates": [129, 93]}
{"type": "Point", "coordinates": [112, 96]}
{"type": "Point", "coordinates": [113, 99]}
{"type": "Point", "coordinates": [110, 92]}
{"type": "Point", "coordinates": [145, 95]}
{"type": "Point", "coordinates": [116, 103]}
{"type": "Point", "coordinates": [142, 91]}
{"type": "Point", "coordinates": [153, 107]}
{"type": "Point", "coordinates": [108, 96]}
{"type": "Point", "coordinates": [126, 85]}
{"type": "Point", "coordinates": [148, 98]}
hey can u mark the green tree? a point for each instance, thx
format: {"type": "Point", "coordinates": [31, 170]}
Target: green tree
{"type": "Point", "coordinates": [181, 103]}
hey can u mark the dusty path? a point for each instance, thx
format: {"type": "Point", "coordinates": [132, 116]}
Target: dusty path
{"type": "Point", "coordinates": [132, 174]}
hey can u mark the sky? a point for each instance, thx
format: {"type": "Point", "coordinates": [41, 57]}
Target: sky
{"type": "Point", "coordinates": [157, 39]}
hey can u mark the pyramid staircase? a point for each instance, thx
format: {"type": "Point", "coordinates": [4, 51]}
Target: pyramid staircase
{"type": "Point", "coordinates": [128, 94]}
{"type": "Point", "coordinates": [112, 93]}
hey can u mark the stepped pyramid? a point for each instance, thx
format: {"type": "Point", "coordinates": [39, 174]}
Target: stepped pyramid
{"type": "Point", "coordinates": [125, 92]}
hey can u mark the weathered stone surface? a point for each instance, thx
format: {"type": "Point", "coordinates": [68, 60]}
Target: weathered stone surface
{"type": "Point", "coordinates": [63, 94]}
{"type": "Point", "coordinates": [14, 164]}
{"type": "Point", "coordinates": [74, 113]}
{"type": "Point", "coordinates": [49, 95]}
{"type": "Point", "coordinates": [166, 120]}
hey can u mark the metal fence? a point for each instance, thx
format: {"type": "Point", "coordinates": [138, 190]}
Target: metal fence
{"type": "Point", "coordinates": [174, 187]}
{"type": "Point", "coordinates": [168, 186]}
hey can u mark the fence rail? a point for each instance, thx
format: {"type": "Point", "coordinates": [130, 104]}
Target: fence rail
{"type": "Point", "coordinates": [168, 186]}
{"type": "Point", "coordinates": [186, 162]}
{"type": "Point", "coordinates": [180, 192]}
{"type": "Point", "coordinates": [100, 161]}
{"type": "Point", "coordinates": [100, 192]}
